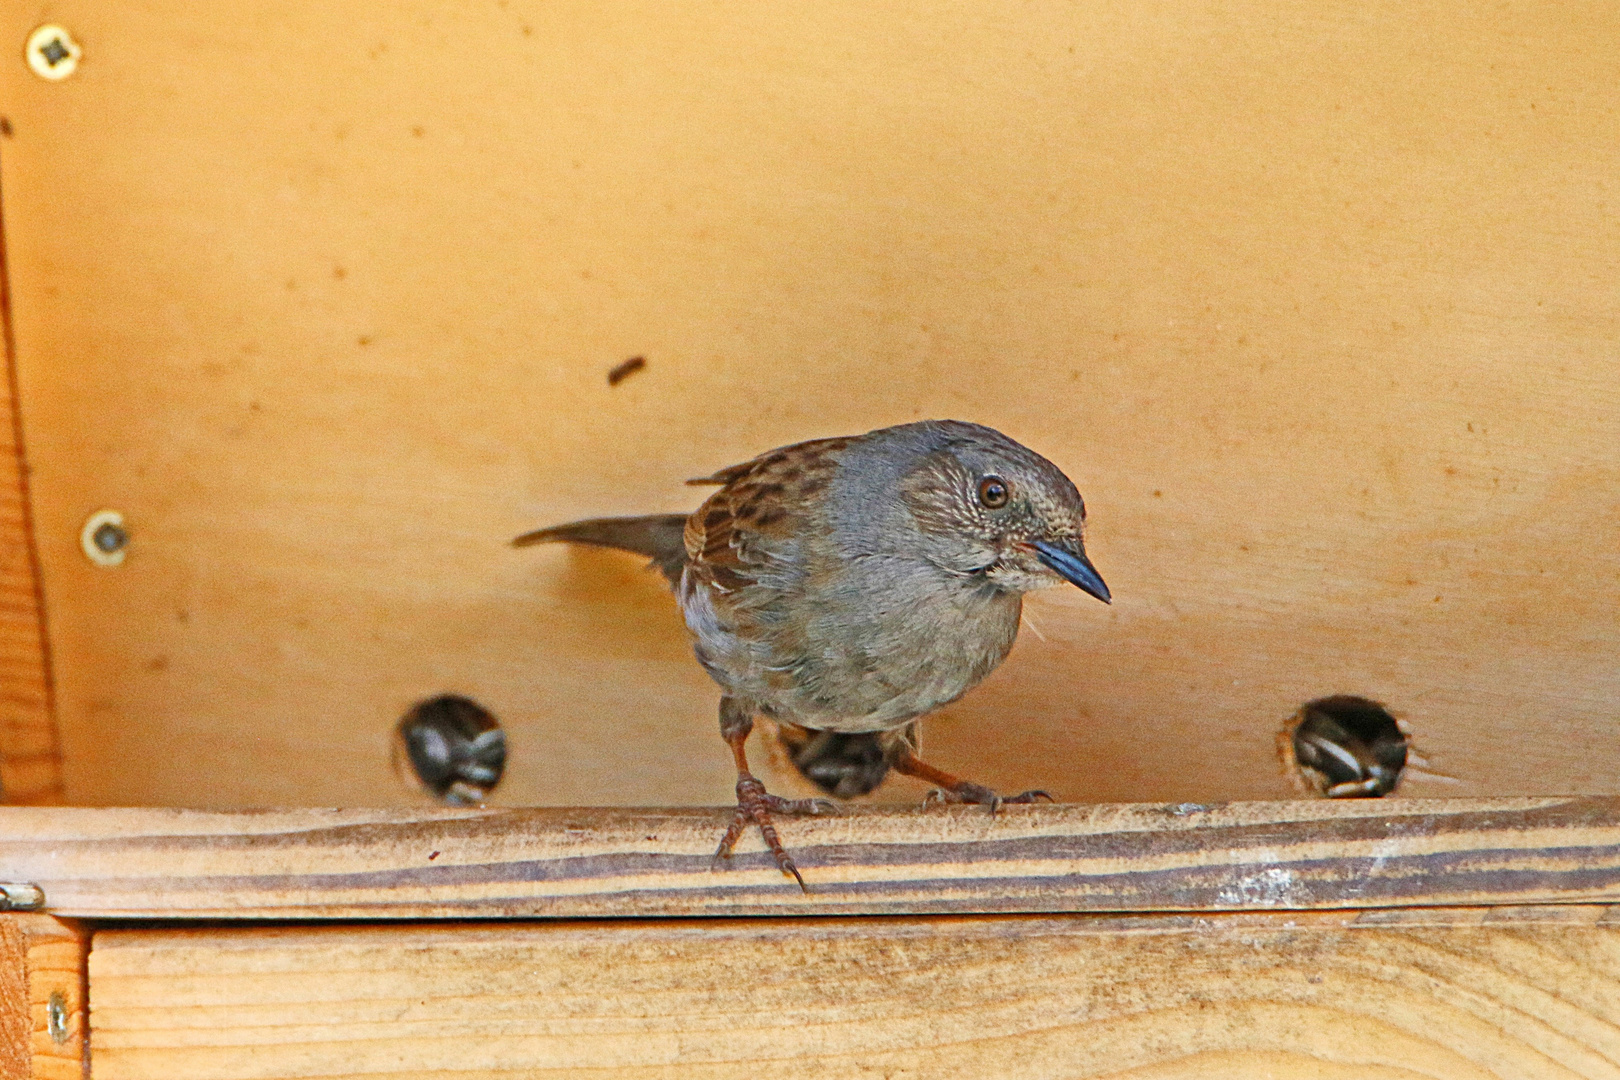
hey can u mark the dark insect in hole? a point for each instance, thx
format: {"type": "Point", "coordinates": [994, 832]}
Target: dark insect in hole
{"type": "Point", "coordinates": [1349, 747]}
{"type": "Point", "coordinates": [843, 765]}
{"type": "Point", "coordinates": [452, 747]}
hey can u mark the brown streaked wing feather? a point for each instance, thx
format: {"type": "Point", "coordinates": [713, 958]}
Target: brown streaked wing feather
{"type": "Point", "coordinates": [726, 475]}
{"type": "Point", "coordinates": [758, 507]}
{"type": "Point", "coordinates": [782, 456]}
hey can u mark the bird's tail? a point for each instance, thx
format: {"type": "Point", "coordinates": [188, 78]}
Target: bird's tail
{"type": "Point", "coordinates": [660, 537]}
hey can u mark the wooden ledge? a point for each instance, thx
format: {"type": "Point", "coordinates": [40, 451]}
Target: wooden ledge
{"type": "Point", "coordinates": [324, 864]}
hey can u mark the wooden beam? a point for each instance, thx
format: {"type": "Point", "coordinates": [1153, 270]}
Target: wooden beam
{"type": "Point", "coordinates": [42, 998]}
{"type": "Point", "coordinates": [605, 862]}
{"type": "Point", "coordinates": [1448, 995]}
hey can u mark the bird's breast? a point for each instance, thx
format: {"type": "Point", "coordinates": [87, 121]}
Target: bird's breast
{"type": "Point", "coordinates": [865, 648]}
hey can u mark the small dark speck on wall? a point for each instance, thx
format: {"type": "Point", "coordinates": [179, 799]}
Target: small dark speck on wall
{"type": "Point", "coordinates": [5, 126]}
{"type": "Point", "coordinates": [626, 369]}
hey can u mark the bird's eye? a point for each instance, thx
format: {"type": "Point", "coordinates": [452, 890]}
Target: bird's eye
{"type": "Point", "coordinates": [993, 492]}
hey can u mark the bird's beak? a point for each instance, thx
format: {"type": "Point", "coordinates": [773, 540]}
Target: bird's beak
{"type": "Point", "coordinates": [1072, 566]}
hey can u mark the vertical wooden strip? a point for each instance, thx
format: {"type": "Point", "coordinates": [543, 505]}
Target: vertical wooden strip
{"type": "Point", "coordinates": [42, 972]}
{"type": "Point", "coordinates": [30, 757]}
{"type": "Point", "coordinates": [14, 1012]}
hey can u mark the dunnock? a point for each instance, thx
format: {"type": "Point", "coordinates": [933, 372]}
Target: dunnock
{"type": "Point", "coordinates": [850, 585]}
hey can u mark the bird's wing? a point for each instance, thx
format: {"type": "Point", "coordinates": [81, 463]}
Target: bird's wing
{"type": "Point", "coordinates": [748, 530]}
{"type": "Point", "coordinates": [724, 476]}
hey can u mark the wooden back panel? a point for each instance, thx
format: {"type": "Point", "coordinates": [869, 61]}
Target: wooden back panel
{"type": "Point", "coordinates": [1316, 305]}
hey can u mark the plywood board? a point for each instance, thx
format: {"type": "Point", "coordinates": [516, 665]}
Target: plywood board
{"type": "Point", "coordinates": [301, 864]}
{"type": "Point", "coordinates": [1315, 302]}
{"type": "Point", "coordinates": [1458, 995]}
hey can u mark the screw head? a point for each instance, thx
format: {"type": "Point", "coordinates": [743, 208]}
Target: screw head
{"type": "Point", "coordinates": [52, 53]}
{"type": "Point", "coordinates": [104, 538]}
{"type": "Point", "coordinates": [21, 896]}
{"type": "Point", "coordinates": [56, 1017]}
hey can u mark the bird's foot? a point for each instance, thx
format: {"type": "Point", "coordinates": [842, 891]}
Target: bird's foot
{"type": "Point", "coordinates": [754, 807]}
{"type": "Point", "coordinates": [965, 791]}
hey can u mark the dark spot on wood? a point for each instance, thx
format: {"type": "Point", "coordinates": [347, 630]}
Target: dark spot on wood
{"type": "Point", "coordinates": [5, 126]}
{"type": "Point", "coordinates": [626, 369]}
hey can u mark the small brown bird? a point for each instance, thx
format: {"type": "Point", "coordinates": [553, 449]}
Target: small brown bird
{"type": "Point", "coordinates": [853, 584]}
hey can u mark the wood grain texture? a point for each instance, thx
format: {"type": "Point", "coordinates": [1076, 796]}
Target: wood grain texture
{"type": "Point", "coordinates": [1315, 302]}
{"type": "Point", "coordinates": [1462, 995]}
{"type": "Point", "coordinates": [42, 957]}
{"type": "Point", "coordinates": [594, 862]}
{"type": "Point", "coordinates": [30, 762]}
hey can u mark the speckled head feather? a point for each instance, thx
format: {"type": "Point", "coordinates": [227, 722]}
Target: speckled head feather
{"type": "Point", "coordinates": [982, 502]}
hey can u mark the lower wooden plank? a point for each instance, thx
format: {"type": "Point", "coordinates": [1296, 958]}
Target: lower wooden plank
{"type": "Point", "coordinates": [1463, 994]}
{"type": "Point", "coordinates": [606, 862]}
{"type": "Point", "coordinates": [42, 998]}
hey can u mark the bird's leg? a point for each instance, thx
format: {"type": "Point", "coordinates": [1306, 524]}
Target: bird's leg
{"type": "Point", "coordinates": [950, 788]}
{"type": "Point", "coordinates": [754, 804]}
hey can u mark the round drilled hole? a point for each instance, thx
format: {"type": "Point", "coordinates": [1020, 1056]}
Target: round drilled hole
{"type": "Point", "coordinates": [841, 764]}
{"type": "Point", "coordinates": [1347, 747]}
{"type": "Point", "coordinates": [452, 748]}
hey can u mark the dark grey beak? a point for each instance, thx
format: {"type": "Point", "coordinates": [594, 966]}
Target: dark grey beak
{"type": "Point", "coordinates": [1073, 566]}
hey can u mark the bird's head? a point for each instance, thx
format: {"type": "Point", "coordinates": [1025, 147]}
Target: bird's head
{"type": "Point", "coordinates": [993, 508]}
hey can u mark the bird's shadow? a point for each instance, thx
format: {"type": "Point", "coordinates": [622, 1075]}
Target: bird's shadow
{"type": "Point", "coordinates": [612, 598]}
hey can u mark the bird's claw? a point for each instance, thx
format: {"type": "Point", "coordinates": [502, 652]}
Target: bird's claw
{"type": "Point", "coordinates": [969, 792]}
{"type": "Point", "coordinates": [755, 806]}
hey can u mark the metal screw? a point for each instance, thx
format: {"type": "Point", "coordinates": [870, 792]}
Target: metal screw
{"type": "Point", "coordinates": [56, 1017]}
{"type": "Point", "coordinates": [104, 538]}
{"type": "Point", "coordinates": [21, 896]}
{"type": "Point", "coordinates": [52, 53]}
{"type": "Point", "coordinates": [109, 538]}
